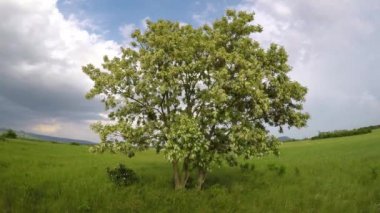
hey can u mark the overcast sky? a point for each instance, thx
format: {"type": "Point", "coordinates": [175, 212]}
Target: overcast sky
{"type": "Point", "coordinates": [334, 49]}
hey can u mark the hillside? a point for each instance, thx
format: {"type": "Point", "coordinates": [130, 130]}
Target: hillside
{"type": "Point", "coordinates": [330, 175]}
{"type": "Point", "coordinates": [285, 138]}
{"type": "Point", "coordinates": [29, 135]}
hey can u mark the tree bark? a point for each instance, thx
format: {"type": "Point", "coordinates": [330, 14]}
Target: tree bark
{"type": "Point", "coordinates": [181, 176]}
{"type": "Point", "coordinates": [201, 178]}
{"type": "Point", "coordinates": [177, 176]}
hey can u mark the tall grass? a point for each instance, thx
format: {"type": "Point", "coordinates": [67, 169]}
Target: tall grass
{"type": "Point", "coordinates": [332, 175]}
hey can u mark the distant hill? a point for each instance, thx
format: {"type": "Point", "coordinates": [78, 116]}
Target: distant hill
{"type": "Point", "coordinates": [28, 135]}
{"type": "Point", "coordinates": [285, 138]}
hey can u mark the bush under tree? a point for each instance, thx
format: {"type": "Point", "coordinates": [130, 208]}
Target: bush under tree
{"type": "Point", "coordinates": [202, 96]}
{"type": "Point", "coordinates": [122, 176]}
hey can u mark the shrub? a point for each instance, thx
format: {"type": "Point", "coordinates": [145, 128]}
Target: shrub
{"type": "Point", "coordinates": [9, 134]}
{"type": "Point", "coordinates": [278, 169]}
{"type": "Point", "coordinates": [74, 143]}
{"type": "Point", "coordinates": [122, 176]}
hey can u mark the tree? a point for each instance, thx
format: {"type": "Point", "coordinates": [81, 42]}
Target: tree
{"type": "Point", "coordinates": [9, 134]}
{"type": "Point", "coordinates": [201, 96]}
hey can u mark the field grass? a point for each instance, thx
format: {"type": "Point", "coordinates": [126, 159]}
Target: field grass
{"type": "Point", "coordinates": [331, 175]}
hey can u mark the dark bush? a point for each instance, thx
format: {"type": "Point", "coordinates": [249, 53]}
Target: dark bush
{"type": "Point", "coordinates": [9, 134]}
{"type": "Point", "coordinates": [279, 169]}
{"type": "Point", "coordinates": [75, 143]}
{"type": "Point", "coordinates": [122, 176]}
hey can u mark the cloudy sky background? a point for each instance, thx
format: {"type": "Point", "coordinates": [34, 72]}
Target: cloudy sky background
{"type": "Point", "coordinates": [334, 49]}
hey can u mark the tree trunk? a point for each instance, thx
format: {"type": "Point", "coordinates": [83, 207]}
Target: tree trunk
{"type": "Point", "coordinates": [186, 171]}
{"type": "Point", "coordinates": [177, 176]}
{"type": "Point", "coordinates": [201, 178]}
{"type": "Point", "coordinates": [180, 176]}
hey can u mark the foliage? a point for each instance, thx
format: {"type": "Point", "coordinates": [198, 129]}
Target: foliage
{"type": "Point", "coordinates": [9, 134]}
{"type": "Point", "coordinates": [75, 143]}
{"type": "Point", "coordinates": [202, 95]}
{"type": "Point", "coordinates": [122, 176]}
{"type": "Point", "coordinates": [343, 133]}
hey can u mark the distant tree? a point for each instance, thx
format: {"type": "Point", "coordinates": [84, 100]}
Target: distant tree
{"type": "Point", "coordinates": [344, 133]}
{"type": "Point", "coordinates": [10, 134]}
{"type": "Point", "coordinates": [75, 143]}
{"type": "Point", "coordinates": [199, 95]}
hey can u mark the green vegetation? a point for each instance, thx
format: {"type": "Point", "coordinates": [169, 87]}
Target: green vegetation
{"type": "Point", "coordinates": [331, 175]}
{"type": "Point", "coordinates": [122, 176]}
{"type": "Point", "coordinates": [344, 133]}
{"type": "Point", "coordinates": [202, 96]}
{"type": "Point", "coordinates": [9, 134]}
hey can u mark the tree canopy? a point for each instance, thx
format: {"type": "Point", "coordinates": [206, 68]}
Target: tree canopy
{"type": "Point", "coordinates": [201, 96]}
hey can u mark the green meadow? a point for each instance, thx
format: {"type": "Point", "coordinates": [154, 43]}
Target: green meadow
{"type": "Point", "coordinates": [331, 175]}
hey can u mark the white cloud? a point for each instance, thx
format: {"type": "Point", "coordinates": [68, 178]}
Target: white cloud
{"type": "Point", "coordinates": [332, 50]}
{"type": "Point", "coordinates": [84, 23]}
{"type": "Point", "coordinates": [204, 16]}
{"type": "Point", "coordinates": [282, 9]}
{"type": "Point", "coordinates": [42, 53]}
{"type": "Point", "coordinates": [126, 31]}
{"type": "Point", "coordinates": [143, 22]}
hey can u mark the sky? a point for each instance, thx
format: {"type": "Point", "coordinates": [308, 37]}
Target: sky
{"type": "Point", "coordinates": [333, 46]}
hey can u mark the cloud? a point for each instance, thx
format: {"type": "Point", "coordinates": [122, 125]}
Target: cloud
{"type": "Point", "coordinates": [126, 31]}
{"type": "Point", "coordinates": [204, 17]}
{"type": "Point", "coordinates": [47, 128]}
{"type": "Point", "coordinates": [332, 48]}
{"type": "Point", "coordinates": [40, 72]}
{"type": "Point", "coordinates": [143, 22]}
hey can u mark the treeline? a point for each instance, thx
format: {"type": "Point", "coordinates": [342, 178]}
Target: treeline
{"type": "Point", "coordinates": [345, 132]}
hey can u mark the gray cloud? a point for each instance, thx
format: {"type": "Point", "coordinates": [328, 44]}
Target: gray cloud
{"type": "Point", "coordinates": [41, 82]}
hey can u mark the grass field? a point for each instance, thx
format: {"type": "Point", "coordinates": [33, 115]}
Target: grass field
{"type": "Point", "coordinates": [331, 175]}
